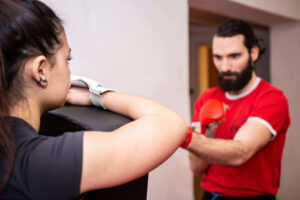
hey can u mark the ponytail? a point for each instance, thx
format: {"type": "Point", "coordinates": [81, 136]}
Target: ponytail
{"type": "Point", "coordinates": [27, 28]}
{"type": "Point", "coordinates": [6, 139]}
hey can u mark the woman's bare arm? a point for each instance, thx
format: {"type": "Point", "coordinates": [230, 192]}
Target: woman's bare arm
{"type": "Point", "coordinates": [113, 158]}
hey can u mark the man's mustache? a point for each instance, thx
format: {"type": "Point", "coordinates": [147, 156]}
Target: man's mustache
{"type": "Point", "coordinates": [228, 73]}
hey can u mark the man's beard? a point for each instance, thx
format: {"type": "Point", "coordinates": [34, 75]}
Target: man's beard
{"type": "Point", "coordinates": [241, 80]}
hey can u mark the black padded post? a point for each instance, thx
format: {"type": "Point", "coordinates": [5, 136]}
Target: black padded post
{"type": "Point", "coordinates": [77, 118]}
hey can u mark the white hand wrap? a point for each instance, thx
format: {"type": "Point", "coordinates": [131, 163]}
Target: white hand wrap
{"type": "Point", "coordinates": [95, 88]}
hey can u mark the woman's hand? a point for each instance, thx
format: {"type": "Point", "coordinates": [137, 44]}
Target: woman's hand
{"type": "Point", "coordinates": [78, 96]}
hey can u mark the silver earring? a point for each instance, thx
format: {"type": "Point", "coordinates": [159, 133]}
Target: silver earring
{"type": "Point", "coordinates": [43, 80]}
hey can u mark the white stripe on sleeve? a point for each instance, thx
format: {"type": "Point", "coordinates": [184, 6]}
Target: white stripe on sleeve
{"type": "Point", "coordinates": [266, 124]}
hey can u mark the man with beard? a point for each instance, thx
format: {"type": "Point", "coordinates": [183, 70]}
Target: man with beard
{"type": "Point", "coordinates": [242, 158]}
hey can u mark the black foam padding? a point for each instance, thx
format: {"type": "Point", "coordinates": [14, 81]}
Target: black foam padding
{"type": "Point", "coordinates": [72, 118]}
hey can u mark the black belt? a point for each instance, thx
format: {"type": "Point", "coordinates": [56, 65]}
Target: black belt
{"type": "Point", "coordinates": [215, 196]}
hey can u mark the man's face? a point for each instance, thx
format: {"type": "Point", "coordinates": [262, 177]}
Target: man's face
{"type": "Point", "coordinates": [233, 62]}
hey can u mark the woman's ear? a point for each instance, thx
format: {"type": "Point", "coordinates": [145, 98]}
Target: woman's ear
{"type": "Point", "coordinates": [254, 53]}
{"type": "Point", "coordinates": [37, 67]}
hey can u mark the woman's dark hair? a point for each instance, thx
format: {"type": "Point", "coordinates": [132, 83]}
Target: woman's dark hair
{"type": "Point", "coordinates": [236, 27]}
{"type": "Point", "coordinates": [28, 28]}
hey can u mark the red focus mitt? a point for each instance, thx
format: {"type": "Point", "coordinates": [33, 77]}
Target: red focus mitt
{"type": "Point", "coordinates": [213, 111]}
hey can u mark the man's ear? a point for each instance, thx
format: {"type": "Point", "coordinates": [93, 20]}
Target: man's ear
{"type": "Point", "coordinates": [254, 53]}
{"type": "Point", "coordinates": [38, 69]}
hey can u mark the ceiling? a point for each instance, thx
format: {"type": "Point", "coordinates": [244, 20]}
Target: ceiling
{"type": "Point", "coordinates": [215, 12]}
{"type": "Point", "coordinates": [204, 18]}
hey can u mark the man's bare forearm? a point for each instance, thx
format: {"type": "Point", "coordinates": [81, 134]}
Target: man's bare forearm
{"type": "Point", "coordinates": [217, 151]}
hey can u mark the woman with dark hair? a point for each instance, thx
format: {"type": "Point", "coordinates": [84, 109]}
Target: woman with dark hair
{"type": "Point", "coordinates": [34, 78]}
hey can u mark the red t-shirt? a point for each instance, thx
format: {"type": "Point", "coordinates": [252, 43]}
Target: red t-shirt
{"type": "Point", "coordinates": [260, 175]}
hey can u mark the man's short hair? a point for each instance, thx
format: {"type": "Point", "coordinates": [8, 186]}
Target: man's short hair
{"type": "Point", "coordinates": [235, 27]}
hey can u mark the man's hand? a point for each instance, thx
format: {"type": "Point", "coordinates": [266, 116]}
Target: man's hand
{"type": "Point", "coordinates": [212, 113]}
{"type": "Point", "coordinates": [209, 130]}
{"type": "Point", "coordinates": [79, 96]}
{"type": "Point", "coordinates": [212, 129]}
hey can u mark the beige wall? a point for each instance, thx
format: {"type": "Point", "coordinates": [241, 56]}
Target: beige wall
{"type": "Point", "coordinates": [285, 74]}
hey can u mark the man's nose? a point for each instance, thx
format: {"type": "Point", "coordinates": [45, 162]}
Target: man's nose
{"type": "Point", "coordinates": [225, 65]}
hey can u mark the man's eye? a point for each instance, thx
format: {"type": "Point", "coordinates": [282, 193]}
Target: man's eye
{"type": "Point", "coordinates": [217, 57]}
{"type": "Point", "coordinates": [234, 55]}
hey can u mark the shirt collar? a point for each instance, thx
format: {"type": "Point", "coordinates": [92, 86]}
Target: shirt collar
{"type": "Point", "coordinates": [243, 94]}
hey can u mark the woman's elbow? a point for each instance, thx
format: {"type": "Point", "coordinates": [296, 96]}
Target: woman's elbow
{"type": "Point", "coordinates": [179, 126]}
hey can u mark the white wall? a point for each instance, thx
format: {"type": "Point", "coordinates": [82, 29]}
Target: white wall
{"type": "Point", "coordinates": [139, 47]}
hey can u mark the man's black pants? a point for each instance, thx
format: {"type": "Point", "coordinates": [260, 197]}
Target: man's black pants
{"type": "Point", "coordinates": [214, 196]}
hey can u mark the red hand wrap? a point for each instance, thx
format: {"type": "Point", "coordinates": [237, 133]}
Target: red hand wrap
{"type": "Point", "coordinates": [188, 138]}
